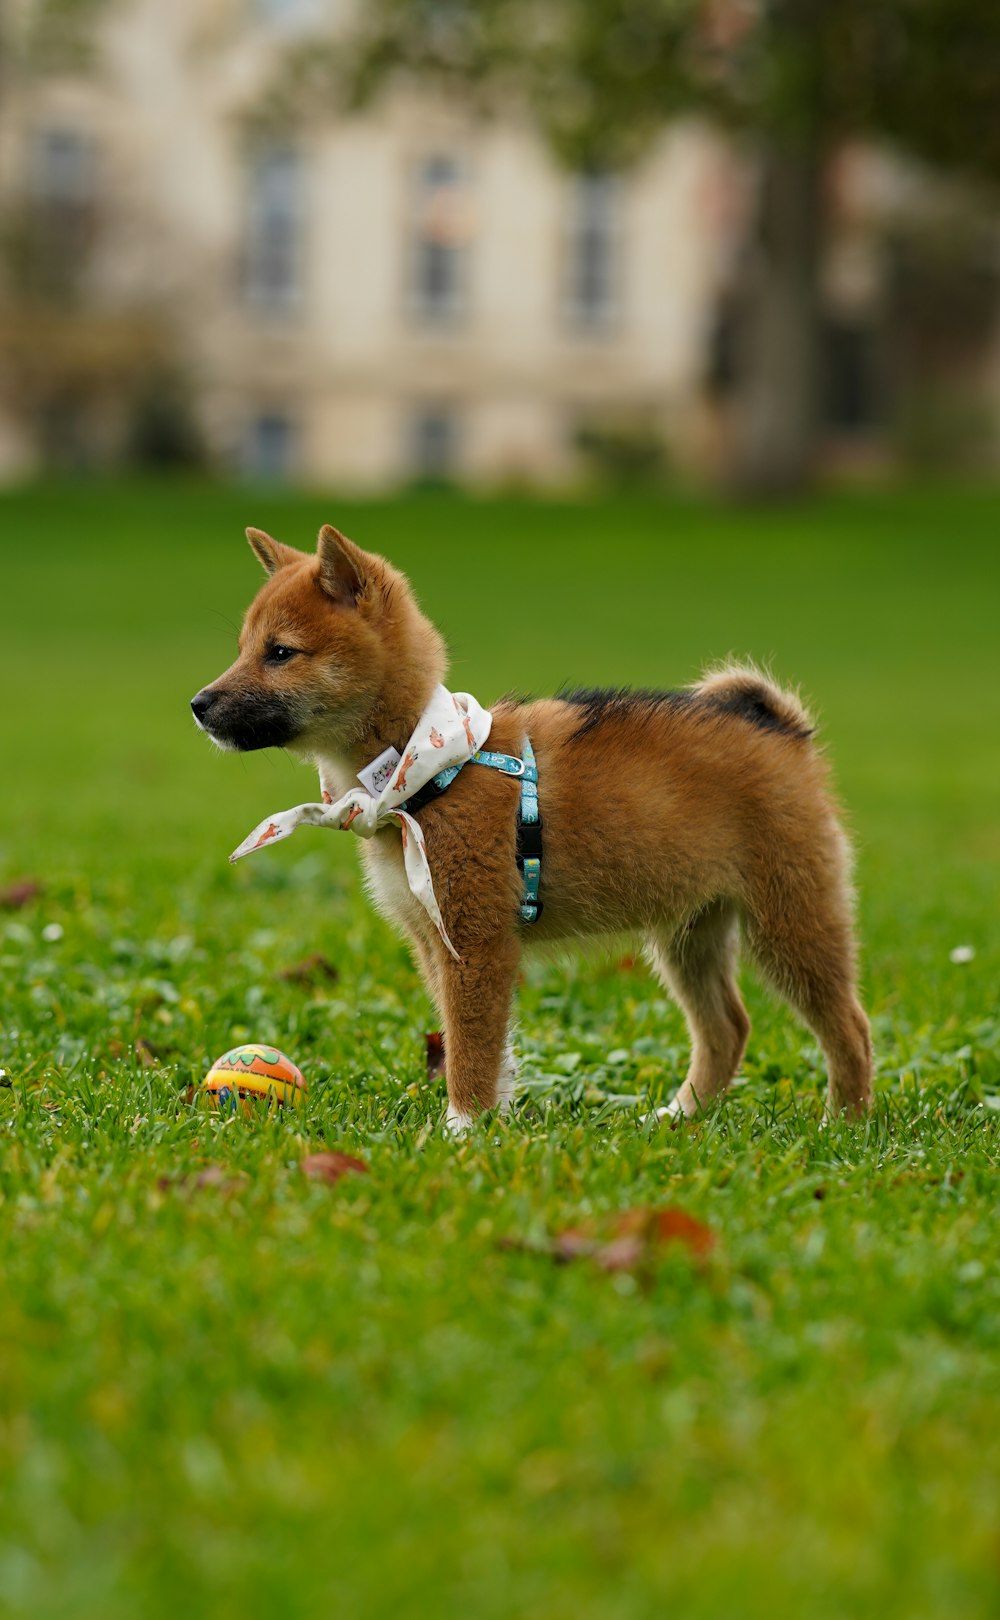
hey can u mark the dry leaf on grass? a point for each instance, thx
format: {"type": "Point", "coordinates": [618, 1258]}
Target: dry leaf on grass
{"type": "Point", "coordinates": [627, 1241]}
{"type": "Point", "coordinates": [20, 894]}
{"type": "Point", "coordinates": [668, 1225]}
{"type": "Point", "coordinates": [435, 1053]}
{"type": "Point", "coordinates": [213, 1175]}
{"type": "Point", "coordinates": [314, 969]}
{"type": "Point", "coordinates": [329, 1167]}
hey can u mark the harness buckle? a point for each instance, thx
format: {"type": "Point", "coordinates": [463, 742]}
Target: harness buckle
{"type": "Point", "coordinates": [508, 764]}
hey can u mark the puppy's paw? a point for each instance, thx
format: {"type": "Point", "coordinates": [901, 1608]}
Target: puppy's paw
{"type": "Point", "coordinates": [456, 1123]}
{"type": "Point", "coordinates": [676, 1109]}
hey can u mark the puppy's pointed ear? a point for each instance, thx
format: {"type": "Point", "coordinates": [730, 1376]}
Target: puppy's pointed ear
{"type": "Point", "coordinates": [343, 570]}
{"type": "Point", "coordinates": [271, 553]}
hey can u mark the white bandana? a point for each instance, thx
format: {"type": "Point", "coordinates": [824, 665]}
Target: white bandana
{"type": "Point", "coordinates": [450, 730]}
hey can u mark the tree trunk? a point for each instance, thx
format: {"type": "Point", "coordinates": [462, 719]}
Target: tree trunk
{"type": "Point", "coordinates": [778, 405]}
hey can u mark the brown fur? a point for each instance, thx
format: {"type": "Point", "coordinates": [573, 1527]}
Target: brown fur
{"type": "Point", "coordinates": [693, 818]}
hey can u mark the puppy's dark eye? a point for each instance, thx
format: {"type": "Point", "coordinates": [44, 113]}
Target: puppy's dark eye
{"type": "Point", "coordinates": [279, 655]}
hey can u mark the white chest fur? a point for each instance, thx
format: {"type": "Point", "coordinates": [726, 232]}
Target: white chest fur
{"type": "Point", "coordinates": [382, 861]}
{"type": "Point", "coordinates": [385, 880]}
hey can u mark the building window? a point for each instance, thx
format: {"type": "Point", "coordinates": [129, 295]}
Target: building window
{"type": "Point", "coordinates": [288, 14]}
{"type": "Point", "coordinates": [274, 228]}
{"type": "Point", "coordinates": [593, 252]}
{"type": "Point", "coordinates": [440, 242]}
{"type": "Point", "coordinates": [852, 406]}
{"type": "Point", "coordinates": [62, 196]}
{"type": "Point", "coordinates": [62, 169]}
{"type": "Point", "coordinates": [269, 447]}
{"type": "Point", "coordinates": [434, 442]}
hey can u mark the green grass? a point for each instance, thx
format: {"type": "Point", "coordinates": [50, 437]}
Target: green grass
{"type": "Point", "coordinates": [277, 1397]}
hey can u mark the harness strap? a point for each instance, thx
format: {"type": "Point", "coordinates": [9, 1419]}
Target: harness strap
{"type": "Point", "coordinates": [433, 789]}
{"type": "Point", "coordinates": [529, 818]}
{"type": "Point", "coordinates": [529, 839]}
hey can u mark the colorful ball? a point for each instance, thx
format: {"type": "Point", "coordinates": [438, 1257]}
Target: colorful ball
{"type": "Point", "coordinates": [253, 1074]}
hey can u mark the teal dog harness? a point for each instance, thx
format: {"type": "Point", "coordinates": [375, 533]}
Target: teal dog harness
{"type": "Point", "coordinates": [529, 839]}
{"type": "Point", "coordinates": [529, 818]}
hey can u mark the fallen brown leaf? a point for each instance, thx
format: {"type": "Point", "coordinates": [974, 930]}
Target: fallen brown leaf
{"type": "Point", "coordinates": [20, 894]}
{"type": "Point", "coordinates": [312, 969]}
{"type": "Point", "coordinates": [213, 1175]}
{"type": "Point", "coordinates": [626, 1241]}
{"type": "Point", "coordinates": [623, 1254]}
{"type": "Point", "coordinates": [330, 1167]}
{"type": "Point", "coordinates": [669, 1225]}
{"type": "Point", "coordinates": [435, 1053]}
{"type": "Point", "coordinates": [573, 1244]}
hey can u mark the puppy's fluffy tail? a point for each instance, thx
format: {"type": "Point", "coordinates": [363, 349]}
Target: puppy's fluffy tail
{"type": "Point", "coordinates": [743, 690]}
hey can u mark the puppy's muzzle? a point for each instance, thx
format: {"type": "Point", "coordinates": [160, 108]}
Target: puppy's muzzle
{"type": "Point", "coordinates": [201, 705]}
{"type": "Point", "coordinates": [245, 720]}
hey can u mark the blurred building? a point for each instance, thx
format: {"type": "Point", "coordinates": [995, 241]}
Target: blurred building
{"type": "Point", "coordinates": [358, 300]}
{"type": "Point", "coordinates": [407, 293]}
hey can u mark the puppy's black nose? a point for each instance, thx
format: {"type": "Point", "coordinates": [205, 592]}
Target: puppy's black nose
{"type": "Point", "coordinates": [201, 703]}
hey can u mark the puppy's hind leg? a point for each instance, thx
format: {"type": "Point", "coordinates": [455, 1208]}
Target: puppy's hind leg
{"type": "Point", "coordinates": [697, 964]}
{"type": "Point", "coordinates": [798, 924]}
{"type": "Point", "coordinates": [812, 964]}
{"type": "Point", "coordinates": [507, 1082]}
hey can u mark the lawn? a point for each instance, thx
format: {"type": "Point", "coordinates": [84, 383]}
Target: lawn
{"type": "Point", "coordinates": [249, 1392]}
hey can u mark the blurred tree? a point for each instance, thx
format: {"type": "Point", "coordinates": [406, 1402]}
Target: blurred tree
{"type": "Point", "coordinates": [793, 78]}
{"type": "Point", "coordinates": [44, 36]}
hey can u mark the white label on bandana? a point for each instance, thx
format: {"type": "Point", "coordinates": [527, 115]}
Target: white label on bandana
{"type": "Point", "coordinates": [376, 775]}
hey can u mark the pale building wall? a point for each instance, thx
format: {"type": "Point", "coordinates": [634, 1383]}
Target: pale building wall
{"type": "Point", "coordinates": [350, 364]}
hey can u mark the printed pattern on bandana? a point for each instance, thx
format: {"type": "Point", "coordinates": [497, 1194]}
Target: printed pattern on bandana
{"type": "Point", "coordinates": [450, 730]}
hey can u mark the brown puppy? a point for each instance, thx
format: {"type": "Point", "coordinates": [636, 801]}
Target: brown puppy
{"type": "Point", "coordinates": [694, 818]}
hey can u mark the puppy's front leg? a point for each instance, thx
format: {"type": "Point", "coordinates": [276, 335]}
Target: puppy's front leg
{"type": "Point", "coordinates": [477, 998]}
